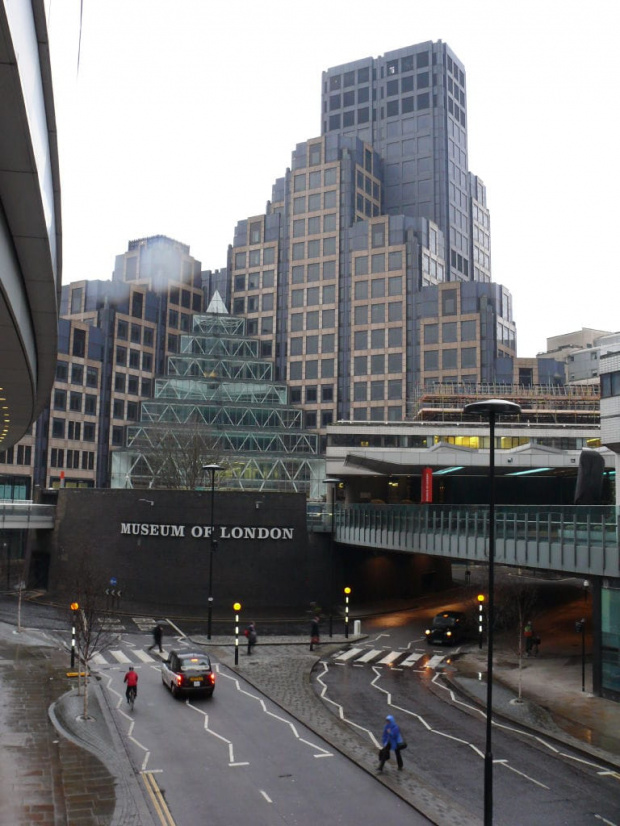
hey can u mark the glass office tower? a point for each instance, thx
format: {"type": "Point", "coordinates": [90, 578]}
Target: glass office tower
{"type": "Point", "coordinates": [411, 105]}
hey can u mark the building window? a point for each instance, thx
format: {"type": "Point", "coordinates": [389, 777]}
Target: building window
{"type": "Point", "coordinates": [468, 357]}
{"type": "Point", "coordinates": [431, 360]}
{"type": "Point", "coordinates": [315, 154]}
{"type": "Point", "coordinates": [77, 374]}
{"type": "Point", "coordinates": [79, 343]}
{"type": "Point", "coordinates": [377, 364]}
{"type": "Point", "coordinates": [327, 393]}
{"type": "Point", "coordinates": [76, 300]}
{"type": "Point", "coordinates": [378, 235]}
{"type": "Point", "coordinates": [360, 366]}
{"type": "Point", "coordinates": [60, 400]}
{"type": "Point", "coordinates": [395, 337]}
{"type": "Point", "coordinates": [449, 332]}
{"type": "Point", "coordinates": [75, 402]}
{"type": "Point", "coordinates": [395, 362]}
{"type": "Point", "coordinates": [359, 391]}
{"type": "Point", "coordinates": [90, 405]}
{"type": "Point", "coordinates": [119, 382]}
{"type": "Point", "coordinates": [62, 371]}
{"type": "Point", "coordinates": [117, 436]}
{"type": "Point", "coordinates": [448, 302]}
{"type": "Point", "coordinates": [134, 359]}
{"type": "Point", "coordinates": [312, 320]}
{"type": "Point", "coordinates": [58, 428]}
{"type": "Point", "coordinates": [89, 432]}
{"type": "Point", "coordinates": [132, 385]}
{"type": "Point", "coordinates": [118, 409]}
{"type": "Point", "coordinates": [121, 330]}
{"type": "Point", "coordinates": [255, 232]}
{"type": "Point", "coordinates": [240, 260]}
{"type": "Point", "coordinates": [121, 356]}
{"type": "Point", "coordinates": [448, 359]}
{"type": "Point", "coordinates": [312, 369]}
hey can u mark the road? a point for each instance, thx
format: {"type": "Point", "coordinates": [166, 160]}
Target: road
{"type": "Point", "coordinates": [534, 781]}
{"type": "Point", "coordinates": [237, 757]}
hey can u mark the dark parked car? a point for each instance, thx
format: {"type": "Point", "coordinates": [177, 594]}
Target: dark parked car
{"type": "Point", "coordinates": [188, 673]}
{"type": "Point", "coordinates": [447, 628]}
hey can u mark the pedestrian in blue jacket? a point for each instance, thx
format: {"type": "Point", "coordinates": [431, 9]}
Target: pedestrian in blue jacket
{"type": "Point", "coordinates": [392, 739]}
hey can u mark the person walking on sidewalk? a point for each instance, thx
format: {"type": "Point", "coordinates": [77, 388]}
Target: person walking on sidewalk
{"type": "Point", "coordinates": [314, 633]}
{"type": "Point", "coordinates": [250, 633]}
{"type": "Point", "coordinates": [392, 739]}
{"type": "Point", "coordinates": [528, 633]}
{"type": "Point", "coordinates": [158, 633]}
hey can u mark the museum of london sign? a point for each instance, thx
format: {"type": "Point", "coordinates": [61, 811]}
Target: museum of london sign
{"type": "Point", "coordinates": [204, 531]}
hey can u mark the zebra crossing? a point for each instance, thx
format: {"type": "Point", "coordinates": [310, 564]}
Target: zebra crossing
{"type": "Point", "coordinates": [126, 656]}
{"type": "Point", "coordinates": [393, 659]}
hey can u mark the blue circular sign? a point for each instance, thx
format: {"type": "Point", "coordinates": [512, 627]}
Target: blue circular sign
{"type": "Point", "coordinates": [113, 580]}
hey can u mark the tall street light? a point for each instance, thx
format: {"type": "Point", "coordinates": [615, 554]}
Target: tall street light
{"type": "Point", "coordinates": [332, 483]}
{"type": "Point", "coordinates": [491, 409]}
{"type": "Point", "coordinates": [212, 469]}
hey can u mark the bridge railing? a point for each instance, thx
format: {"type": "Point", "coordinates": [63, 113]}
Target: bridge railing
{"type": "Point", "coordinates": [24, 515]}
{"type": "Point", "coordinates": [578, 539]}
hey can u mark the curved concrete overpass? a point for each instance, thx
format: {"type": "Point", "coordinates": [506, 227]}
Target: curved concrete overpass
{"type": "Point", "coordinates": [30, 221]}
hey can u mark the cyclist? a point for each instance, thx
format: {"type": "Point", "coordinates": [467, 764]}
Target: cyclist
{"type": "Point", "coordinates": [131, 678]}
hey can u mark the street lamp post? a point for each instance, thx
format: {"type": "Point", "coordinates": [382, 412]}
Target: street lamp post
{"type": "Point", "coordinates": [332, 486]}
{"type": "Point", "coordinates": [492, 409]}
{"type": "Point", "coordinates": [212, 469]}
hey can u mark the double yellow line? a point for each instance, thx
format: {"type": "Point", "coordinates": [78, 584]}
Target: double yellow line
{"type": "Point", "coordinates": [157, 799]}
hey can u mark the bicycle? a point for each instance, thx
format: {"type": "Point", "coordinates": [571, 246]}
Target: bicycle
{"type": "Point", "coordinates": [132, 692]}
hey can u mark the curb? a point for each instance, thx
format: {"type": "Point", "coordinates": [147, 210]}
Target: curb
{"type": "Point", "coordinates": [105, 743]}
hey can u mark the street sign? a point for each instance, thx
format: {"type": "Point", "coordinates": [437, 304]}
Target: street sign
{"type": "Point", "coordinates": [113, 581]}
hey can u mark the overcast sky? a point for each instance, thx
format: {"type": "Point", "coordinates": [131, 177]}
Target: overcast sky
{"type": "Point", "coordinates": [183, 113]}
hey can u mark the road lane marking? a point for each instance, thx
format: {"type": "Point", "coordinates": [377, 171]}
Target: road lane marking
{"type": "Point", "coordinates": [390, 658]}
{"type": "Point", "coordinates": [348, 655]}
{"type": "Point", "coordinates": [411, 659]}
{"type": "Point", "coordinates": [157, 799]}
{"type": "Point", "coordinates": [120, 657]}
{"type": "Point", "coordinates": [369, 655]}
{"type": "Point", "coordinates": [266, 796]}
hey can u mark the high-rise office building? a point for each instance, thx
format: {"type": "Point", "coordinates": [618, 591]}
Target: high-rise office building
{"type": "Point", "coordinates": [370, 274]}
{"type": "Point", "coordinates": [411, 105]}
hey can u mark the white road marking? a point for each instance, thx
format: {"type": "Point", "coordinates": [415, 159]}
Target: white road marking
{"type": "Point", "coordinates": [266, 796]}
{"type": "Point", "coordinates": [120, 656]}
{"type": "Point", "coordinates": [411, 660]}
{"type": "Point", "coordinates": [390, 658]}
{"type": "Point", "coordinates": [434, 661]}
{"type": "Point", "coordinates": [369, 655]}
{"type": "Point", "coordinates": [143, 655]}
{"type": "Point", "coordinates": [320, 751]}
{"type": "Point", "coordinates": [605, 821]}
{"type": "Point", "coordinates": [348, 655]}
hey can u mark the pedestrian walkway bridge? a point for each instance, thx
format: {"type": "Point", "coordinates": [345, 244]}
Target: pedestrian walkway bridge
{"type": "Point", "coordinates": [572, 539]}
{"type": "Point", "coordinates": [26, 515]}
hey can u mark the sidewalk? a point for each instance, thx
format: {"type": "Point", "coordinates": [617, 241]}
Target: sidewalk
{"type": "Point", "coordinates": [84, 776]}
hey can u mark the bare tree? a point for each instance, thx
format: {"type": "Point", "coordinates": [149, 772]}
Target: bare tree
{"type": "Point", "coordinates": [92, 620]}
{"type": "Point", "coordinates": [515, 604]}
{"type": "Point", "coordinates": [179, 454]}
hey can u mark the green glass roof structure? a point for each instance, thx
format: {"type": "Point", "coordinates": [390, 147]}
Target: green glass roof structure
{"type": "Point", "coordinates": [218, 402]}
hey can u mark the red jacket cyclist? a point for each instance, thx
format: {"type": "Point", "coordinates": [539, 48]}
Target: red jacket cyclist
{"type": "Point", "coordinates": [131, 678]}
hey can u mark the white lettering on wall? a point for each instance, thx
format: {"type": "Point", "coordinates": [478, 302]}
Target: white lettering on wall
{"type": "Point", "coordinates": [204, 531]}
